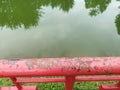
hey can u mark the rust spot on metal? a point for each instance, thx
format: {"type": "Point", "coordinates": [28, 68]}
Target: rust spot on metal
{"type": "Point", "coordinates": [107, 72]}
{"type": "Point", "coordinates": [10, 61]}
{"type": "Point", "coordinates": [104, 63]}
{"type": "Point", "coordinates": [17, 65]}
{"type": "Point", "coordinates": [78, 65]}
{"type": "Point", "coordinates": [95, 67]}
{"type": "Point", "coordinates": [47, 64]}
{"type": "Point", "coordinates": [108, 58]}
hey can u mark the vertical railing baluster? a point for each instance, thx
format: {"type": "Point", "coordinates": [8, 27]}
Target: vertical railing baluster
{"type": "Point", "coordinates": [69, 84]}
{"type": "Point", "coordinates": [16, 83]}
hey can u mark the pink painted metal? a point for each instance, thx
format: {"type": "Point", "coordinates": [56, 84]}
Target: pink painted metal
{"type": "Point", "coordinates": [69, 82]}
{"type": "Point", "coordinates": [98, 78]}
{"type": "Point", "coordinates": [16, 83]}
{"type": "Point", "coordinates": [39, 80]}
{"type": "Point", "coordinates": [77, 79]}
{"type": "Point", "coordinates": [23, 88]}
{"type": "Point", "coordinates": [67, 67]}
{"type": "Point", "coordinates": [109, 87]}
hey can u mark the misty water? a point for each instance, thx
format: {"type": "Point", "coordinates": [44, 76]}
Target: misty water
{"type": "Point", "coordinates": [59, 28]}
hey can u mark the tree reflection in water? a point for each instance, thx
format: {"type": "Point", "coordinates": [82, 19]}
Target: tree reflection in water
{"type": "Point", "coordinates": [15, 13]}
{"type": "Point", "coordinates": [99, 6]}
{"type": "Point", "coordinates": [117, 22]}
{"type": "Point", "coordinates": [26, 13]}
{"type": "Point", "coordinates": [96, 6]}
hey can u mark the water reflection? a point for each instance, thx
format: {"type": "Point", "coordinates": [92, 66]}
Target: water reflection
{"type": "Point", "coordinates": [65, 5]}
{"type": "Point", "coordinates": [15, 13]}
{"type": "Point", "coordinates": [117, 22]}
{"type": "Point", "coordinates": [62, 28]}
{"type": "Point", "coordinates": [96, 7]}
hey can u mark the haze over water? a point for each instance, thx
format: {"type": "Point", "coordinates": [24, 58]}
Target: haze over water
{"type": "Point", "coordinates": [59, 28]}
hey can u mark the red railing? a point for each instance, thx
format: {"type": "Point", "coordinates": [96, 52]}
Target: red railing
{"type": "Point", "coordinates": [73, 70]}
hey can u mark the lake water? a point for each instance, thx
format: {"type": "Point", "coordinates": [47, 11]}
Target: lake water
{"type": "Point", "coordinates": [59, 28]}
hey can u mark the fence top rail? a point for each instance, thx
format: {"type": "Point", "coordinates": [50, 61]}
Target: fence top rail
{"type": "Point", "coordinates": [60, 66]}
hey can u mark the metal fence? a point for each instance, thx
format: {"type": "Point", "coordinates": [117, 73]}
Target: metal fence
{"type": "Point", "coordinates": [71, 69]}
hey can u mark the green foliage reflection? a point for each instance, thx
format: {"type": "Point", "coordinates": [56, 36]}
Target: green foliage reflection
{"type": "Point", "coordinates": [17, 13]}
{"type": "Point", "coordinates": [99, 6]}
{"type": "Point", "coordinates": [26, 13]}
{"type": "Point", "coordinates": [117, 22]}
{"type": "Point", "coordinates": [96, 6]}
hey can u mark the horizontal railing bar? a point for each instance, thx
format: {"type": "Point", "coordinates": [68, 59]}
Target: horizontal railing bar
{"type": "Point", "coordinates": [15, 88]}
{"type": "Point", "coordinates": [97, 78]}
{"type": "Point", "coordinates": [36, 80]}
{"type": "Point", "coordinates": [60, 66]}
{"type": "Point", "coordinates": [78, 79]}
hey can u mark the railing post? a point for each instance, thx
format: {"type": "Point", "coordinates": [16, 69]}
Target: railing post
{"type": "Point", "coordinates": [69, 84]}
{"type": "Point", "coordinates": [16, 84]}
{"type": "Point", "coordinates": [118, 84]}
